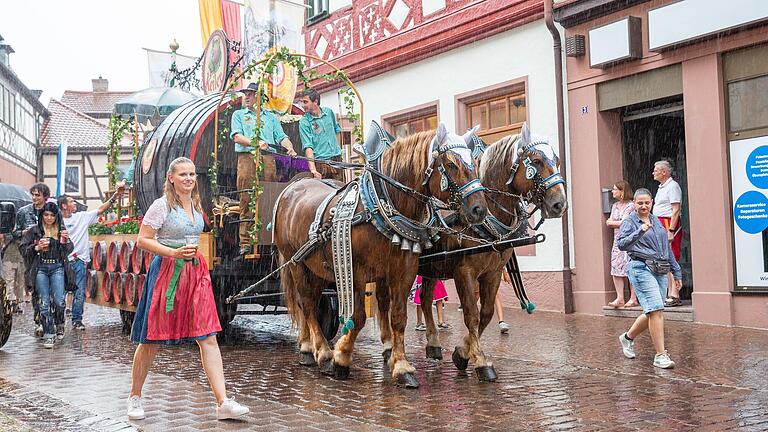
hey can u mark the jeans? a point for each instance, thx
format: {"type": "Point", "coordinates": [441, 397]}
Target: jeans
{"type": "Point", "coordinates": [650, 288]}
{"type": "Point", "coordinates": [78, 302]}
{"type": "Point", "coordinates": [49, 283]}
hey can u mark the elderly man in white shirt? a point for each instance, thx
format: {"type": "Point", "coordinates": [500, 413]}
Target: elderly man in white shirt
{"type": "Point", "coordinates": [667, 208]}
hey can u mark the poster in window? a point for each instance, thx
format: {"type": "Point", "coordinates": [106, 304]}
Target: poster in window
{"type": "Point", "coordinates": [749, 194]}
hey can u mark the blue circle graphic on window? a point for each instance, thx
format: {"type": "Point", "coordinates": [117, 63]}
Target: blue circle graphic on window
{"type": "Point", "coordinates": [751, 212]}
{"type": "Point", "coordinates": [757, 167]}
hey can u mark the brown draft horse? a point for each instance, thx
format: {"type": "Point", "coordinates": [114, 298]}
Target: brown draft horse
{"type": "Point", "coordinates": [481, 273]}
{"type": "Point", "coordinates": [375, 257]}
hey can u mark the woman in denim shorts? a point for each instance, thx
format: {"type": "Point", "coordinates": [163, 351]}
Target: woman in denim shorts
{"type": "Point", "coordinates": [645, 239]}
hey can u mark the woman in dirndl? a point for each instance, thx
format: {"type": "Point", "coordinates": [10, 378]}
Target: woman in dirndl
{"type": "Point", "coordinates": [176, 304]}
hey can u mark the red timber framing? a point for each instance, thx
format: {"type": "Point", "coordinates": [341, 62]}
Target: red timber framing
{"type": "Point", "coordinates": [374, 36]}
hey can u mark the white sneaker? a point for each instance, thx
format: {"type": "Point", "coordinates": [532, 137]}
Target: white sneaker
{"type": "Point", "coordinates": [49, 342]}
{"type": "Point", "coordinates": [135, 408]}
{"type": "Point", "coordinates": [229, 409]}
{"type": "Point", "coordinates": [663, 361]}
{"type": "Point", "coordinates": [627, 346]}
{"type": "Point", "coordinates": [503, 327]}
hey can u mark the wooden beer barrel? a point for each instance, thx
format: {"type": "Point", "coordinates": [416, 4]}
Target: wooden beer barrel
{"type": "Point", "coordinates": [129, 289]}
{"type": "Point", "coordinates": [113, 255]}
{"type": "Point", "coordinates": [137, 259]}
{"type": "Point", "coordinates": [148, 256]}
{"type": "Point", "coordinates": [118, 291]}
{"type": "Point", "coordinates": [140, 281]}
{"type": "Point", "coordinates": [92, 283]}
{"type": "Point", "coordinates": [106, 286]}
{"type": "Point", "coordinates": [125, 257]}
{"type": "Point", "coordinates": [99, 256]}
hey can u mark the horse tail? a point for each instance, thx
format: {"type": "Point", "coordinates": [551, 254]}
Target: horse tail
{"type": "Point", "coordinates": [291, 296]}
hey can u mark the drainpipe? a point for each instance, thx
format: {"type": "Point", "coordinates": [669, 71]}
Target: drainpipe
{"type": "Point", "coordinates": [557, 45]}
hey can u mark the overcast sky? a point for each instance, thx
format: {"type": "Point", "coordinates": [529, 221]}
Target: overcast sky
{"type": "Point", "coordinates": [63, 44]}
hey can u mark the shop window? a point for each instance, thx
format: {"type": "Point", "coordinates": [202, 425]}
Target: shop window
{"type": "Point", "coordinates": [72, 179]}
{"type": "Point", "coordinates": [499, 111]}
{"type": "Point", "coordinates": [316, 10]}
{"type": "Point", "coordinates": [416, 119]}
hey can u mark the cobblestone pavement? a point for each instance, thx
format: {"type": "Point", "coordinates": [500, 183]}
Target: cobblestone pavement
{"type": "Point", "coordinates": [556, 372]}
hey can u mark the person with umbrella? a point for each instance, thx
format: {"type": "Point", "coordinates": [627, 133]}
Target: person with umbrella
{"type": "Point", "coordinates": [271, 137]}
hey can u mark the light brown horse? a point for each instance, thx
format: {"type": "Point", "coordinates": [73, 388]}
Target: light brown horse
{"type": "Point", "coordinates": [375, 257]}
{"type": "Point", "coordinates": [480, 274]}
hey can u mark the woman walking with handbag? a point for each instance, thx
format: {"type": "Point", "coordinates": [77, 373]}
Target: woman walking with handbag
{"type": "Point", "coordinates": [46, 246]}
{"type": "Point", "coordinates": [177, 304]}
{"type": "Point", "coordinates": [644, 238]}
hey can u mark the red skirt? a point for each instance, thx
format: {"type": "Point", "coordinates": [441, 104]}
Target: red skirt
{"type": "Point", "coordinates": [193, 315]}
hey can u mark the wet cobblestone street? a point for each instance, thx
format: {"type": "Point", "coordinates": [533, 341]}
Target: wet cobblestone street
{"type": "Point", "coordinates": [556, 372]}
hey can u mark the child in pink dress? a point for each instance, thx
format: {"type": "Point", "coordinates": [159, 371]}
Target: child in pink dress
{"type": "Point", "coordinates": [439, 295]}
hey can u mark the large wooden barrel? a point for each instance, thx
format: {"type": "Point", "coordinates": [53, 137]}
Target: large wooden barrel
{"type": "Point", "coordinates": [99, 255]}
{"type": "Point", "coordinates": [126, 256]}
{"type": "Point", "coordinates": [113, 255]}
{"type": "Point", "coordinates": [189, 131]}
{"type": "Point", "coordinates": [92, 283]}
{"type": "Point", "coordinates": [106, 286]}
{"type": "Point", "coordinates": [129, 289]}
{"type": "Point", "coordinates": [140, 280]}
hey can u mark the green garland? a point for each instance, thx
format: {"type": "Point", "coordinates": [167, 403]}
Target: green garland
{"type": "Point", "coordinates": [264, 71]}
{"type": "Point", "coordinates": [117, 128]}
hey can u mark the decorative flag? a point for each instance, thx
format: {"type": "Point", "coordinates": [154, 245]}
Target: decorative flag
{"type": "Point", "coordinates": [159, 63]}
{"type": "Point", "coordinates": [61, 169]}
{"type": "Point", "coordinates": [230, 20]}
{"type": "Point", "coordinates": [210, 17]}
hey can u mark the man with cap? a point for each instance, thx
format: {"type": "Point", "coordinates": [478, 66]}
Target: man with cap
{"type": "Point", "coordinates": [271, 137]}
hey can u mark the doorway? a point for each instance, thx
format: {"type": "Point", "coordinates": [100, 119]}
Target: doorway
{"type": "Point", "coordinates": [654, 131]}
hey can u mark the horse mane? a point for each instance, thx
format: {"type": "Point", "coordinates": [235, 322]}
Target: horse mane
{"type": "Point", "coordinates": [498, 158]}
{"type": "Point", "coordinates": [405, 161]}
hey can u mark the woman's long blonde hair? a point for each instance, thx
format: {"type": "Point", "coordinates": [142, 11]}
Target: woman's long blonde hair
{"type": "Point", "coordinates": [170, 193]}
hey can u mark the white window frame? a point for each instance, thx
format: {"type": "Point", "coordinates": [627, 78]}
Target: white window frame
{"type": "Point", "coordinates": [77, 192]}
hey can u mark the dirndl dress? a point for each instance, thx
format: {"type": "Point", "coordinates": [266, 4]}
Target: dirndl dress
{"type": "Point", "coordinates": [176, 304]}
{"type": "Point", "coordinates": [439, 293]}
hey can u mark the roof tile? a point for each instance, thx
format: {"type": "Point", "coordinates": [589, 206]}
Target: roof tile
{"type": "Point", "coordinates": [74, 127]}
{"type": "Point", "coordinates": [93, 102]}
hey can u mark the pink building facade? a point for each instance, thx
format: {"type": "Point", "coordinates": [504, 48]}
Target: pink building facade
{"type": "Point", "coordinates": [673, 80]}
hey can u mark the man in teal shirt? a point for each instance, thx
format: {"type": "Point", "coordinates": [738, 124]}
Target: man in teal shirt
{"type": "Point", "coordinates": [318, 129]}
{"type": "Point", "coordinates": [271, 136]}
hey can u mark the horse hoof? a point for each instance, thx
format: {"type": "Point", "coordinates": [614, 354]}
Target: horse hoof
{"type": "Point", "coordinates": [387, 353]}
{"type": "Point", "coordinates": [434, 352]}
{"type": "Point", "coordinates": [486, 373]}
{"type": "Point", "coordinates": [326, 367]}
{"type": "Point", "coordinates": [307, 359]}
{"type": "Point", "coordinates": [407, 380]}
{"type": "Point", "coordinates": [460, 362]}
{"type": "Point", "coordinates": [340, 372]}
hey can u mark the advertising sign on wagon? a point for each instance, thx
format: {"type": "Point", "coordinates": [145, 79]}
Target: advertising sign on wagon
{"type": "Point", "coordinates": [749, 192]}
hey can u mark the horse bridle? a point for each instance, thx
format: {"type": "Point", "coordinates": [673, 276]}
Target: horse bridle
{"type": "Point", "coordinates": [540, 185]}
{"type": "Point", "coordinates": [457, 193]}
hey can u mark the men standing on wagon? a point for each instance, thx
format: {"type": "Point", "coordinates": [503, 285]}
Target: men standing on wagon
{"type": "Point", "coordinates": [77, 224]}
{"type": "Point", "coordinates": [271, 137]}
{"type": "Point", "coordinates": [318, 129]}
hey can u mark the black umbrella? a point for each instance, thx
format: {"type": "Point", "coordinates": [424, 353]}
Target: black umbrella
{"type": "Point", "coordinates": [15, 194]}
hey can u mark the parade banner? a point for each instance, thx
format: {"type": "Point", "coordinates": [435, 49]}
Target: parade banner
{"type": "Point", "coordinates": [61, 169]}
{"type": "Point", "coordinates": [749, 187]}
{"type": "Point", "coordinates": [159, 63]}
{"type": "Point", "coordinates": [215, 63]}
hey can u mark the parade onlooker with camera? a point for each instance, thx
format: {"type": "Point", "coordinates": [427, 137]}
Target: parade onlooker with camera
{"type": "Point", "coordinates": [26, 218]}
{"type": "Point", "coordinates": [77, 224]}
{"type": "Point", "coordinates": [46, 247]}
{"type": "Point", "coordinates": [176, 304]}
{"type": "Point", "coordinates": [644, 238]}
{"type": "Point", "coordinates": [620, 210]}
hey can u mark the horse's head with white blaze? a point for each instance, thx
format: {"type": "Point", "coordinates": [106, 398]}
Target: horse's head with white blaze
{"type": "Point", "coordinates": [534, 172]}
{"type": "Point", "coordinates": [451, 177]}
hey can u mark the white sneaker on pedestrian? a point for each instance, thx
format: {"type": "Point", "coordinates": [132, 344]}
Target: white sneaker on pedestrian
{"type": "Point", "coordinates": [49, 342]}
{"type": "Point", "coordinates": [503, 327]}
{"type": "Point", "coordinates": [663, 361]}
{"type": "Point", "coordinates": [135, 408]}
{"type": "Point", "coordinates": [627, 346]}
{"type": "Point", "coordinates": [229, 409]}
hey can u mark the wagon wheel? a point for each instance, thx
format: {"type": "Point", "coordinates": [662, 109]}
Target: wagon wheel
{"type": "Point", "coordinates": [127, 318]}
{"type": "Point", "coordinates": [6, 316]}
{"type": "Point", "coordinates": [328, 314]}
